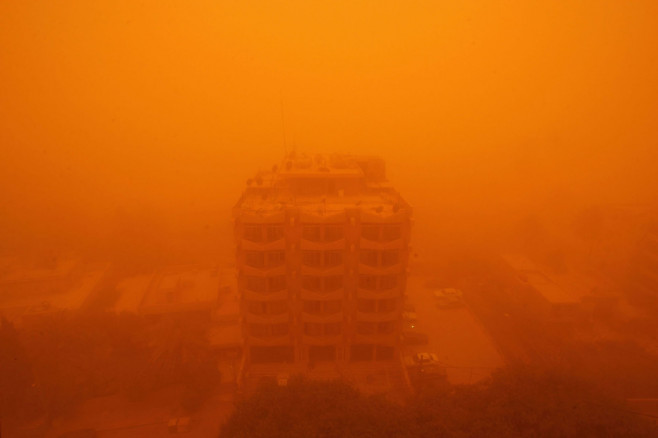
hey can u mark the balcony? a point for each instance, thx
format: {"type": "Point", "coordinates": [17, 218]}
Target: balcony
{"type": "Point", "coordinates": [390, 339]}
{"type": "Point", "coordinates": [322, 339]}
{"type": "Point", "coordinates": [377, 245]}
{"type": "Point", "coordinates": [369, 294]}
{"type": "Point", "coordinates": [393, 315]}
{"type": "Point", "coordinates": [340, 244]}
{"type": "Point", "coordinates": [267, 318]}
{"type": "Point", "coordinates": [307, 294]}
{"type": "Point", "coordinates": [279, 244]}
{"type": "Point", "coordinates": [322, 318]}
{"type": "Point", "coordinates": [269, 340]}
{"type": "Point", "coordinates": [251, 270]}
{"type": "Point", "coordinates": [264, 296]}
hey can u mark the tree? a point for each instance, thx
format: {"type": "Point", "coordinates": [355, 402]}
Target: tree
{"type": "Point", "coordinates": [15, 375]}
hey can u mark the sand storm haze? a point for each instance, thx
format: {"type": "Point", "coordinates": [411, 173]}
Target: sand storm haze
{"type": "Point", "coordinates": [521, 134]}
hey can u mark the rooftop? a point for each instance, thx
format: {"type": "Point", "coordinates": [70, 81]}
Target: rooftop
{"type": "Point", "coordinates": [170, 290]}
{"type": "Point", "coordinates": [322, 185]}
{"type": "Point", "coordinates": [530, 274]}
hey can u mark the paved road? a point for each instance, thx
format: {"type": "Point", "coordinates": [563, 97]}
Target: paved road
{"type": "Point", "coordinates": [455, 335]}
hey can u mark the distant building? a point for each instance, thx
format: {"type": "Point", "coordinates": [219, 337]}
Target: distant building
{"type": "Point", "coordinates": [29, 291]}
{"type": "Point", "coordinates": [177, 290]}
{"type": "Point", "coordinates": [643, 270]}
{"type": "Point", "coordinates": [537, 293]}
{"type": "Point", "coordinates": [322, 251]}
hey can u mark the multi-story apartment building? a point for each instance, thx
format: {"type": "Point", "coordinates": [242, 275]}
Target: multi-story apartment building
{"type": "Point", "coordinates": [322, 251]}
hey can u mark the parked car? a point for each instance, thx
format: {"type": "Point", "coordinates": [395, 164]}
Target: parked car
{"type": "Point", "coordinates": [448, 297]}
{"type": "Point", "coordinates": [424, 365]}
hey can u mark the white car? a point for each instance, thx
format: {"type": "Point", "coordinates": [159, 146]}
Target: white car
{"type": "Point", "coordinates": [448, 297]}
{"type": "Point", "coordinates": [425, 358]}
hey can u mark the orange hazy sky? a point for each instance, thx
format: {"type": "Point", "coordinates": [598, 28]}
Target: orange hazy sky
{"type": "Point", "coordinates": [173, 104]}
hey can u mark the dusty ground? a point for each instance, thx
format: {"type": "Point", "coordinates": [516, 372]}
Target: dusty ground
{"type": "Point", "coordinates": [116, 416]}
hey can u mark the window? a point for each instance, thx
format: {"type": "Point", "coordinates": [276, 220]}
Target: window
{"type": "Point", "coordinates": [317, 283]}
{"type": "Point", "coordinates": [390, 257]}
{"type": "Point", "coordinates": [277, 283]}
{"type": "Point", "coordinates": [332, 329]}
{"type": "Point", "coordinates": [262, 233]}
{"type": "Point", "coordinates": [273, 232]}
{"type": "Point", "coordinates": [275, 258]}
{"type": "Point", "coordinates": [378, 282]}
{"type": "Point", "coordinates": [312, 283]}
{"type": "Point", "coordinates": [391, 232]}
{"type": "Point", "coordinates": [277, 307]}
{"type": "Point", "coordinates": [387, 305]}
{"type": "Point", "coordinates": [333, 233]}
{"type": "Point", "coordinates": [259, 330]}
{"type": "Point", "coordinates": [367, 306]}
{"type": "Point", "coordinates": [320, 329]}
{"type": "Point", "coordinates": [322, 233]}
{"type": "Point", "coordinates": [386, 327]}
{"type": "Point", "coordinates": [313, 307]}
{"type": "Point", "coordinates": [333, 283]}
{"type": "Point", "coordinates": [370, 232]}
{"type": "Point", "coordinates": [265, 284]}
{"type": "Point", "coordinates": [312, 233]}
{"type": "Point", "coordinates": [252, 233]}
{"type": "Point", "coordinates": [366, 328]}
{"type": "Point", "coordinates": [255, 259]}
{"type": "Point", "coordinates": [369, 257]}
{"type": "Point", "coordinates": [332, 307]}
{"type": "Point", "coordinates": [322, 259]}
{"type": "Point", "coordinates": [312, 328]}
{"type": "Point", "coordinates": [319, 307]}
{"type": "Point", "coordinates": [388, 282]}
{"type": "Point", "coordinates": [333, 258]}
{"type": "Point", "coordinates": [264, 259]}
{"type": "Point", "coordinates": [280, 329]}
{"type": "Point", "coordinates": [381, 233]}
{"type": "Point", "coordinates": [312, 258]}
{"type": "Point", "coordinates": [256, 284]}
{"type": "Point", "coordinates": [368, 282]}
{"type": "Point", "coordinates": [256, 307]}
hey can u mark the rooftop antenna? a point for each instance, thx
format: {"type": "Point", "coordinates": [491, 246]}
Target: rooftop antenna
{"type": "Point", "coordinates": [283, 127]}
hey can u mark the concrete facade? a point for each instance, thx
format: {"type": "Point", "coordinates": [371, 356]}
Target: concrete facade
{"type": "Point", "coordinates": [322, 252]}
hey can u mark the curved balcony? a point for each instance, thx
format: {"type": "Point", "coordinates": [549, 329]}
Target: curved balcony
{"type": "Point", "coordinates": [368, 294]}
{"type": "Point", "coordinates": [317, 245]}
{"type": "Point", "coordinates": [389, 339]}
{"type": "Point", "coordinates": [269, 340]}
{"type": "Point", "coordinates": [319, 318]}
{"type": "Point", "coordinates": [380, 270]}
{"type": "Point", "coordinates": [263, 272]}
{"type": "Point", "coordinates": [333, 270]}
{"type": "Point", "coordinates": [399, 217]}
{"type": "Point", "coordinates": [372, 244]}
{"type": "Point", "coordinates": [306, 294]}
{"type": "Point", "coordinates": [393, 315]}
{"type": "Point", "coordinates": [261, 296]}
{"type": "Point", "coordinates": [269, 218]}
{"type": "Point", "coordinates": [263, 246]}
{"type": "Point", "coordinates": [313, 217]}
{"type": "Point", "coordinates": [322, 339]}
{"type": "Point", "coordinates": [266, 318]}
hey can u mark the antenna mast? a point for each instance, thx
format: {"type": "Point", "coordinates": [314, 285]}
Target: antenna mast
{"type": "Point", "coordinates": [283, 128]}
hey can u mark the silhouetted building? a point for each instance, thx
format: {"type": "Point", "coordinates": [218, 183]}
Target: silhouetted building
{"type": "Point", "coordinates": [644, 266]}
{"type": "Point", "coordinates": [322, 250]}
